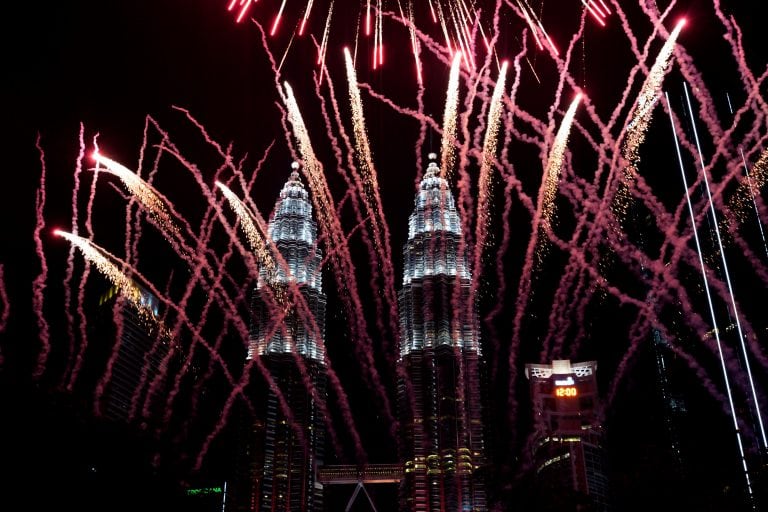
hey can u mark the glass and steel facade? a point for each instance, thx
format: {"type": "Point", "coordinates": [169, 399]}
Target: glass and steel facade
{"type": "Point", "coordinates": [440, 407]}
{"type": "Point", "coordinates": [281, 450]}
{"type": "Point", "coordinates": [568, 450]}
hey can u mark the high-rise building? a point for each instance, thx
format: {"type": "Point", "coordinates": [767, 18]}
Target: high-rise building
{"type": "Point", "coordinates": [281, 449]}
{"type": "Point", "coordinates": [568, 446]}
{"type": "Point", "coordinates": [143, 350]}
{"type": "Point", "coordinates": [439, 362]}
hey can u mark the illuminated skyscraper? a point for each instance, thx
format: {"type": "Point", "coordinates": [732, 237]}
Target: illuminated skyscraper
{"type": "Point", "coordinates": [439, 389]}
{"type": "Point", "coordinates": [278, 466]}
{"type": "Point", "coordinates": [568, 446]}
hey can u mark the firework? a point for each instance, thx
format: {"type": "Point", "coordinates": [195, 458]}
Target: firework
{"type": "Point", "coordinates": [555, 163]}
{"type": "Point", "coordinates": [449, 118]}
{"type": "Point", "coordinates": [142, 191]}
{"type": "Point", "coordinates": [248, 223]}
{"type": "Point", "coordinates": [96, 255]}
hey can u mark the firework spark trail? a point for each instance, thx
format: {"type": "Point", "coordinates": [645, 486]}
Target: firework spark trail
{"type": "Point", "coordinates": [449, 119]}
{"type": "Point", "coordinates": [641, 118]}
{"type": "Point", "coordinates": [94, 255]}
{"type": "Point", "coordinates": [247, 219]}
{"type": "Point", "coordinates": [352, 179]}
{"type": "Point", "coordinates": [372, 200]}
{"type": "Point", "coordinates": [324, 44]}
{"type": "Point", "coordinates": [755, 182]}
{"type": "Point", "coordinates": [482, 217]}
{"type": "Point", "coordinates": [555, 164]}
{"type": "Point", "coordinates": [323, 203]}
{"type": "Point", "coordinates": [718, 285]}
{"type": "Point", "coordinates": [370, 192]}
{"type": "Point", "coordinates": [39, 283]}
{"type": "Point", "coordinates": [133, 235]}
{"type": "Point", "coordinates": [69, 273]}
{"type": "Point", "coordinates": [540, 223]}
{"type": "Point", "coordinates": [247, 187]}
{"type": "Point", "coordinates": [512, 183]}
{"type": "Point", "coordinates": [144, 192]}
{"type": "Point", "coordinates": [597, 226]}
{"type": "Point", "coordinates": [464, 181]}
{"type": "Point", "coordinates": [712, 311]}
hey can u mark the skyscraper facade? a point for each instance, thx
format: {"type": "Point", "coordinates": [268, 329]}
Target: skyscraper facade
{"type": "Point", "coordinates": [144, 349]}
{"type": "Point", "coordinates": [568, 445]}
{"type": "Point", "coordinates": [285, 436]}
{"type": "Point", "coordinates": [439, 395]}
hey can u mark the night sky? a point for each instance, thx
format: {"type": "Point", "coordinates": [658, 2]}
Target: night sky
{"type": "Point", "coordinates": [106, 66]}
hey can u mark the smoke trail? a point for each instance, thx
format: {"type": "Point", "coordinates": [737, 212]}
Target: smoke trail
{"type": "Point", "coordinates": [6, 303]}
{"type": "Point", "coordinates": [352, 180]}
{"type": "Point", "coordinates": [71, 255]}
{"type": "Point", "coordinates": [449, 119]}
{"type": "Point", "coordinates": [78, 359]}
{"type": "Point", "coordinates": [335, 242]}
{"type": "Point", "coordinates": [232, 316]}
{"type": "Point", "coordinates": [39, 284]}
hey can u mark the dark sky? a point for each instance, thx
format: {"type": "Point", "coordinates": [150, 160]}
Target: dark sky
{"type": "Point", "coordinates": [109, 64]}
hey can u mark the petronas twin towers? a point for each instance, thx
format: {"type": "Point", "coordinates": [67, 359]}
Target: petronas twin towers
{"type": "Point", "coordinates": [439, 400]}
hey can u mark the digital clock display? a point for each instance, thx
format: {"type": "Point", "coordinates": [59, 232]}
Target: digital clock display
{"type": "Point", "coordinates": [566, 391]}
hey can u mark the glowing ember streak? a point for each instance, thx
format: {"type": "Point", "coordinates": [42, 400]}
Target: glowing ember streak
{"type": "Point", "coordinates": [95, 255]}
{"type": "Point", "coordinates": [414, 42]}
{"type": "Point", "coordinates": [555, 162]}
{"type": "Point", "coordinates": [368, 18]}
{"type": "Point", "coordinates": [549, 40]}
{"type": "Point", "coordinates": [324, 43]}
{"type": "Point", "coordinates": [141, 190]}
{"type": "Point", "coordinates": [277, 19]}
{"type": "Point", "coordinates": [432, 10]}
{"type": "Point", "coordinates": [306, 17]}
{"type": "Point", "coordinates": [641, 118]}
{"type": "Point", "coordinates": [594, 12]}
{"type": "Point", "coordinates": [449, 118]}
{"type": "Point", "coordinates": [248, 224]}
{"type": "Point", "coordinates": [243, 10]}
